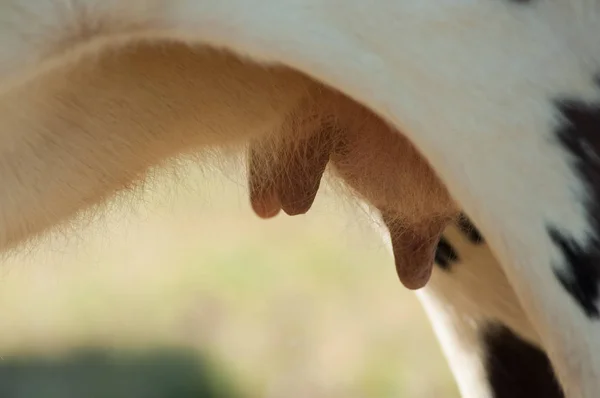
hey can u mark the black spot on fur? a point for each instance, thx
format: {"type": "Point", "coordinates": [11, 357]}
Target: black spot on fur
{"type": "Point", "coordinates": [516, 368]}
{"type": "Point", "coordinates": [445, 255]}
{"type": "Point", "coordinates": [580, 135]}
{"type": "Point", "coordinates": [471, 232]}
{"type": "Point", "coordinates": [583, 276]}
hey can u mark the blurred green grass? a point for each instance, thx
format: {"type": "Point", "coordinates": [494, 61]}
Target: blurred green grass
{"type": "Point", "coordinates": [98, 373]}
{"type": "Point", "coordinates": [291, 307]}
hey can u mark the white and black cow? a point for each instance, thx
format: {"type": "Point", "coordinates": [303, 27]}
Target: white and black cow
{"type": "Point", "coordinates": [492, 348]}
{"type": "Point", "coordinates": [499, 97]}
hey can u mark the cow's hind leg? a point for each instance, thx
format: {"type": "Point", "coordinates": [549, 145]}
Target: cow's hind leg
{"type": "Point", "coordinates": [492, 348]}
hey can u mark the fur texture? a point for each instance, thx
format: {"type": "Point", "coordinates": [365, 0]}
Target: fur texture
{"type": "Point", "coordinates": [88, 141]}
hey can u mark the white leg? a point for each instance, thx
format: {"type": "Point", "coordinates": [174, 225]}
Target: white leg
{"type": "Point", "coordinates": [490, 344]}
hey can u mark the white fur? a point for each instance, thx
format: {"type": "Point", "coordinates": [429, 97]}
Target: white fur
{"type": "Point", "coordinates": [461, 303]}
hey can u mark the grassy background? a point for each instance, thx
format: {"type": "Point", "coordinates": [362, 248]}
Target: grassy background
{"type": "Point", "coordinates": [193, 282]}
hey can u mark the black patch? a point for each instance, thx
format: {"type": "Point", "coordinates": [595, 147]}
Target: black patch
{"type": "Point", "coordinates": [580, 135]}
{"type": "Point", "coordinates": [516, 368]}
{"type": "Point", "coordinates": [445, 255]}
{"type": "Point", "coordinates": [471, 232]}
{"type": "Point", "coordinates": [583, 276]}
